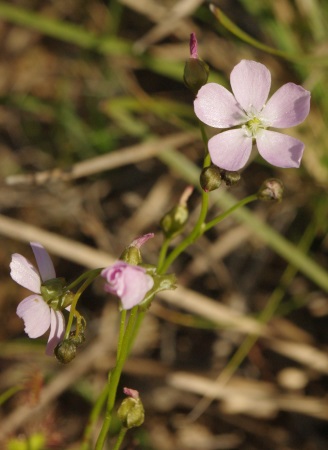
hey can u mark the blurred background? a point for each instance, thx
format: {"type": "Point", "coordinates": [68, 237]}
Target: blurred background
{"type": "Point", "coordinates": [98, 140]}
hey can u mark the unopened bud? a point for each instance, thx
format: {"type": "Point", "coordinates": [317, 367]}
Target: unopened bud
{"type": "Point", "coordinates": [132, 254]}
{"type": "Point", "coordinates": [196, 70]}
{"type": "Point", "coordinates": [271, 190]}
{"type": "Point", "coordinates": [65, 351]}
{"type": "Point", "coordinates": [210, 178]}
{"type": "Point", "coordinates": [230, 178]}
{"type": "Point", "coordinates": [173, 222]}
{"type": "Point", "coordinates": [131, 412]}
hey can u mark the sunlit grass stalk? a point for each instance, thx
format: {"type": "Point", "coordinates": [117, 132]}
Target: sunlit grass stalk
{"type": "Point", "coordinates": [235, 30]}
{"type": "Point", "coordinates": [9, 393]}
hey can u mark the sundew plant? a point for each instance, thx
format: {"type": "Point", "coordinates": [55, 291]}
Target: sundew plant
{"type": "Point", "coordinates": [163, 225]}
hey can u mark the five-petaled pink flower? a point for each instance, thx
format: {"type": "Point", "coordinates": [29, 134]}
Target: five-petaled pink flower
{"type": "Point", "coordinates": [130, 283]}
{"type": "Point", "coordinates": [247, 108]}
{"type": "Point", "coordinates": [37, 315]}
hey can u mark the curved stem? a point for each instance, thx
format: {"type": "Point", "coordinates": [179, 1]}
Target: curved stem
{"type": "Point", "coordinates": [77, 295]}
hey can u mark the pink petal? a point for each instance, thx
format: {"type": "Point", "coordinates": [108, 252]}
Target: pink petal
{"type": "Point", "coordinates": [231, 149]}
{"type": "Point", "coordinates": [137, 283]}
{"type": "Point", "coordinates": [45, 265]}
{"type": "Point", "coordinates": [57, 330]}
{"type": "Point", "coordinates": [36, 315]}
{"type": "Point", "coordinates": [250, 82]}
{"type": "Point", "coordinates": [24, 273]}
{"type": "Point", "coordinates": [279, 149]}
{"type": "Point", "coordinates": [217, 107]}
{"type": "Point", "coordinates": [288, 106]}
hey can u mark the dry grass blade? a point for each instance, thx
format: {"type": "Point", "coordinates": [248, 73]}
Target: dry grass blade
{"type": "Point", "coordinates": [119, 158]}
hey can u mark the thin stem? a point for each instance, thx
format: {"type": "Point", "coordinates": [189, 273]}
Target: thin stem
{"type": "Point", "coordinates": [93, 417]}
{"type": "Point", "coordinates": [115, 377]}
{"type": "Point", "coordinates": [163, 252]}
{"type": "Point", "coordinates": [218, 219]}
{"type": "Point", "coordinates": [122, 330]}
{"type": "Point", "coordinates": [89, 274]}
{"type": "Point", "coordinates": [75, 300]}
{"type": "Point", "coordinates": [200, 228]}
{"type": "Point", "coordinates": [120, 438]}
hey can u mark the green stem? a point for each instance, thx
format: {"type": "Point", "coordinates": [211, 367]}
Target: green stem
{"type": "Point", "coordinates": [120, 438]}
{"type": "Point", "coordinates": [77, 295]}
{"type": "Point", "coordinates": [218, 219]}
{"type": "Point", "coordinates": [93, 418]}
{"type": "Point", "coordinates": [114, 377]}
{"type": "Point", "coordinates": [122, 330]}
{"type": "Point", "coordinates": [92, 274]}
{"type": "Point", "coordinates": [163, 252]}
{"type": "Point", "coordinates": [188, 240]}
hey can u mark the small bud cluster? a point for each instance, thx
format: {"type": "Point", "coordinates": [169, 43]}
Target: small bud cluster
{"type": "Point", "coordinates": [212, 176]}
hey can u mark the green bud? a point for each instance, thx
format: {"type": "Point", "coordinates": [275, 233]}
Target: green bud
{"type": "Point", "coordinates": [131, 412]}
{"type": "Point", "coordinates": [131, 255]}
{"type": "Point", "coordinates": [230, 177]}
{"type": "Point", "coordinates": [195, 74]}
{"type": "Point", "coordinates": [271, 190]}
{"type": "Point", "coordinates": [174, 221]}
{"type": "Point", "coordinates": [210, 178]}
{"type": "Point", "coordinates": [65, 351]}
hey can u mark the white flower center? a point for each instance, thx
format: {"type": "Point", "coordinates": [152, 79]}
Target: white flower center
{"type": "Point", "coordinates": [253, 125]}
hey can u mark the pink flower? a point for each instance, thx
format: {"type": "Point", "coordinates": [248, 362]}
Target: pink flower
{"type": "Point", "coordinates": [130, 283]}
{"type": "Point", "coordinates": [247, 108]}
{"type": "Point", "coordinates": [37, 315]}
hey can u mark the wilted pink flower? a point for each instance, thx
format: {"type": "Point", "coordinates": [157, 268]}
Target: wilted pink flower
{"type": "Point", "coordinates": [130, 283]}
{"type": "Point", "coordinates": [247, 108]}
{"type": "Point", "coordinates": [37, 315]}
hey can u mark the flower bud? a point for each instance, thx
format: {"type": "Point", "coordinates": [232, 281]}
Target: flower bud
{"type": "Point", "coordinates": [271, 190]}
{"type": "Point", "coordinates": [210, 178]}
{"type": "Point", "coordinates": [230, 178]}
{"type": "Point", "coordinates": [173, 222]}
{"type": "Point", "coordinates": [196, 71]}
{"type": "Point", "coordinates": [65, 351]}
{"type": "Point", "coordinates": [131, 412]}
{"type": "Point", "coordinates": [132, 254]}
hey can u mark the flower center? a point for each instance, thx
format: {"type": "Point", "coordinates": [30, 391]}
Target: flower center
{"type": "Point", "coordinates": [252, 126]}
